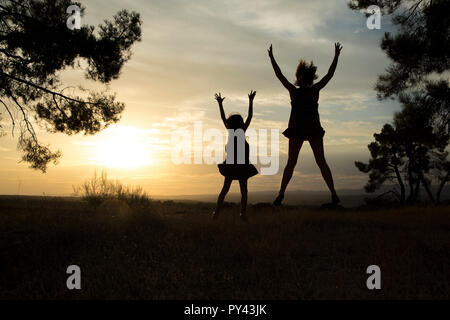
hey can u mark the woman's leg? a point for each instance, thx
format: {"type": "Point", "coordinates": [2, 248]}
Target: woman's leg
{"type": "Point", "coordinates": [294, 149]}
{"type": "Point", "coordinates": [317, 148]}
{"type": "Point", "coordinates": [243, 186]}
{"type": "Point", "coordinates": [221, 198]}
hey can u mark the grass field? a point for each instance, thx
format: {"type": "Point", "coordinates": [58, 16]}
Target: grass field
{"type": "Point", "coordinates": [174, 251]}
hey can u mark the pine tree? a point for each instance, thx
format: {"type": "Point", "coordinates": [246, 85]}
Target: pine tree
{"type": "Point", "coordinates": [35, 46]}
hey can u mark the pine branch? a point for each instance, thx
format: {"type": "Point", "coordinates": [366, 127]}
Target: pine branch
{"type": "Point", "coordinates": [54, 93]}
{"type": "Point", "coordinates": [11, 116]}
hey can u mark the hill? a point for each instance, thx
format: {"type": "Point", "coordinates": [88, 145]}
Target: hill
{"type": "Point", "coordinates": [174, 250]}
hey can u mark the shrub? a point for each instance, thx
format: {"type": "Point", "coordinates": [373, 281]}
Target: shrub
{"type": "Point", "coordinates": [99, 188]}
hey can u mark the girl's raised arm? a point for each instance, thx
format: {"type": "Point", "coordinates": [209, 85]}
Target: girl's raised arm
{"type": "Point", "coordinates": [278, 72]}
{"type": "Point", "coordinates": [220, 99]}
{"type": "Point", "coordinates": [251, 96]}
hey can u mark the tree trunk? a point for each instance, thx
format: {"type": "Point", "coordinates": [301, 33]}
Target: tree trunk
{"type": "Point", "coordinates": [441, 186]}
{"type": "Point", "coordinates": [412, 194]}
{"type": "Point", "coordinates": [416, 191]}
{"type": "Point", "coordinates": [427, 187]}
{"type": "Point", "coordinates": [402, 185]}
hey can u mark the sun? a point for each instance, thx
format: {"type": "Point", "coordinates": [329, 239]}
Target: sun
{"type": "Point", "coordinates": [123, 147]}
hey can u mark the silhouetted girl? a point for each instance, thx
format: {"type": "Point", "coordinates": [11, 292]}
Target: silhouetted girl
{"type": "Point", "coordinates": [237, 166]}
{"type": "Point", "coordinates": [304, 121]}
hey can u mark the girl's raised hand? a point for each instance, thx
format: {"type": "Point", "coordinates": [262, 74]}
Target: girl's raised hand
{"type": "Point", "coordinates": [337, 48]}
{"type": "Point", "coordinates": [219, 97]}
{"type": "Point", "coordinates": [251, 95]}
{"type": "Point", "coordinates": [270, 51]}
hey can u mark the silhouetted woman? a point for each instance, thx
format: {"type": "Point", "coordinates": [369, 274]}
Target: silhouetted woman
{"type": "Point", "coordinates": [304, 121]}
{"type": "Point", "coordinates": [232, 169]}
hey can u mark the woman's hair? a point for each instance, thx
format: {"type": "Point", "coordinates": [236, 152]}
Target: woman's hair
{"type": "Point", "coordinates": [235, 121]}
{"type": "Point", "coordinates": [305, 73]}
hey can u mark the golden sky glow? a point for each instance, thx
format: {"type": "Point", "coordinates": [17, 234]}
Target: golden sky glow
{"type": "Point", "coordinates": [189, 51]}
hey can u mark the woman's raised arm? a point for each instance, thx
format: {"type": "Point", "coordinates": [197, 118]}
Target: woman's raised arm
{"type": "Point", "coordinates": [278, 72]}
{"type": "Point", "coordinates": [323, 82]}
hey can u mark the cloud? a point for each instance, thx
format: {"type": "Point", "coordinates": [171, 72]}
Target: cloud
{"type": "Point", "coordinates": [291, 18]}
{"type": "Point", "coordinates": [355, 108]}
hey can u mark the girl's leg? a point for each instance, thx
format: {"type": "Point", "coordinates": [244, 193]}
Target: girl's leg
{"type": "Point", "coordinates": [221, 198]}
{"type": "Point", "coordinates": [243, 186]}
{"type": "Point", "coordinates": [294, 149]}
{"type": "Point", "coordinates": [317, 148]}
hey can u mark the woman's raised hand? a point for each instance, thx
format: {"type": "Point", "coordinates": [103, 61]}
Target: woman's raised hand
{"type": "Point", "coordinates": [219, 97]}
{"type": "Point", "coordinates": [337, 48]}
{"type": "Point", "coordinates": [251, 95]}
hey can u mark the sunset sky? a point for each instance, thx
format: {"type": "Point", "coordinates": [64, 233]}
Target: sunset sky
{"type": "Point", "coordinates": [193, 49]}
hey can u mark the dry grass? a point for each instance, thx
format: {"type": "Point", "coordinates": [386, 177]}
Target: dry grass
{"type": "Point", "coordinates": [179, 253]}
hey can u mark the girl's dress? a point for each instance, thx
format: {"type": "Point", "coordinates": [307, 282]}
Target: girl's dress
{"type": "Point", "coordinates": [304, 121]}
{"type": "Point", "coordinates": [235, 170]}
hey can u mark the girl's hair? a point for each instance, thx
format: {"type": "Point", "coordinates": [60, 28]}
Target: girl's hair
{"type": "Point", "coordinates": [235, 121]}
{"type": "Point", "coordinates": [306, 73]}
